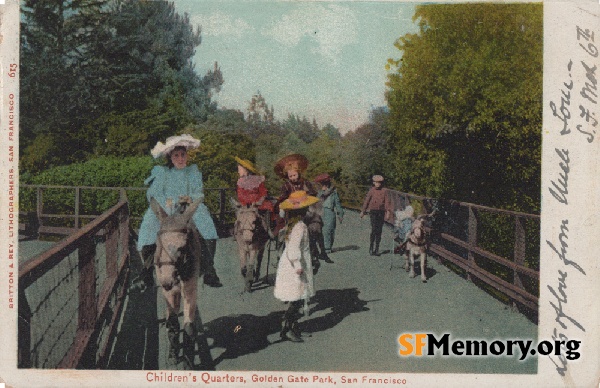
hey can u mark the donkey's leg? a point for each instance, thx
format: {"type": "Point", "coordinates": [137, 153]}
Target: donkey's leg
{"type": "Point", "coordinates": [189, 292]}
{"type": "Point", "coordinates": [412, 263]}
{"type": "Point", "coordinates": [190, 296]}
{"type": "Point", "coordinates": [172, 298]}
{"type": "Point", "coordinates": [423, 266]}
{"type": "Point", "coordinates": [243, 260]}
{"type": "Point", "coordinates": [243, 252]}
{"type": "Point", "coordinates": [259, 259]}
{"type": "Point", "coordinates": [250, 266]}
{"type": "Point", "coordinates": [407, 259]}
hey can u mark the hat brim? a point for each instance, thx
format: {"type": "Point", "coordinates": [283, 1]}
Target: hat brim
{"type": "Point", "coordinates": [164, 149]}
{"type": "Point", "coordinates": [294, 158]}
{"type": "Point", "coordinates": [323, 178]}
{"type": "Point", "coordinates": [246, 164]}
{"type": "Point", "coordinates": [289, 205]}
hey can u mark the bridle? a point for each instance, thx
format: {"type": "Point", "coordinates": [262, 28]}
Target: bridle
{"type": "Point", "coordinates": [248, 224]}
{"type": "Point", "coordinates": [174, 262]}
{"type": "Point", "coordinates": [413, 239]}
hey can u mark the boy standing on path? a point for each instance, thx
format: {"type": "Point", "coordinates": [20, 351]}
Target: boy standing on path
{"type": "Point", "coordinates": [378, 205]}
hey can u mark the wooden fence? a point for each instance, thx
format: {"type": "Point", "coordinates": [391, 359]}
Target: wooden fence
{"type": "Point", "coordinates": [41, 215]}
{"type": "Point", "coordinates": [71, 296]}
{"type": "Point", "coordinates": [498, 249]}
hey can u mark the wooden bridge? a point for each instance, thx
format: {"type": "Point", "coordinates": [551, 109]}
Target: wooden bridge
{"type": "Point", "coordinates": [75, 309]}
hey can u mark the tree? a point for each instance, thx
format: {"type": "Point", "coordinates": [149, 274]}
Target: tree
{"type": "Point", "coordinates": [215, 157]}
{"type": "Point", "coordinates": [103, 73]}
{"type": "Point", "coordinates": [56, 100]}
{"type": "Point", "coordinates": [331, 131]}
{"type": "Point", "coordinates": [306, 131]}
{"type": "Point", "coordinates": [465, 102]}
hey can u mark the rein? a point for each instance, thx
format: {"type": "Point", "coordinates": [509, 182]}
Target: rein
{"type": "Point", "coordinates": [413, 241]}
{"type": "Point", "coordinates": [173, 261]}
{"type": "Point", "coordinates": [243, 226]}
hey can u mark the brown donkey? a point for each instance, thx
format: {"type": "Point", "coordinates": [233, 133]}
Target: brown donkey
{"type": "Point", "coordinates": [251, 234]}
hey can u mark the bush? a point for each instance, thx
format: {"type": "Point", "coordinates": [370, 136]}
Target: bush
{"type": "Point", "coordinates": [101, 172]}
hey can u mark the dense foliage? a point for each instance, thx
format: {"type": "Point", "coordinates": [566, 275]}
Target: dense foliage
{"type": "Point", "coordinates": [104, 80]}
{"type": "Point", "coordinates": [99, 172]}
{"type": "Point", "coordinates": [465, 104]}
{"type": "Point", "coordinates": [112, 76]}
{"type": "Point", "coordinates": [115, 76]}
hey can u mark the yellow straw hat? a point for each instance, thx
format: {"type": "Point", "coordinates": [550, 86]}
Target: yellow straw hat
{"type": "Point", "coordinates": [246, 164]}
{"type": "Point", "coordinates": [298, 200]}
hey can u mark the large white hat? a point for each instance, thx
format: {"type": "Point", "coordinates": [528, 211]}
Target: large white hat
{"type": "Point", "coordinates": [184, 140]}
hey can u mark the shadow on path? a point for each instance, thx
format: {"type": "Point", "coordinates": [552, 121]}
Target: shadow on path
{"type": "Point", "coordinates": [246, 333]}
{"type": "Point", "coordinates": [341, 302]}
{"type": "Point", "coordinates": [346, 248]}
{"type": "Point", "coordinates": [136, 346]}
{"type": "Point", "coordinates": [242, 334]}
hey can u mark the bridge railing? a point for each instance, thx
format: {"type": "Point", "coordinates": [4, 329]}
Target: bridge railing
{"type": "Point", "coordinates": [60, 209]}
{"type": "Point", "coordinates": [497, 249]}
{"type": "Point", "coordinates": [71, 296]}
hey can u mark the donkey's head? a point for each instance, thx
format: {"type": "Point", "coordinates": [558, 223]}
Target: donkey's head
{"type": "Point", "coordinates": [247, 223]}
{"type": "Point", "coordinates": [418, 229]}
{"type": "Point", "coordinates": [172, 242]}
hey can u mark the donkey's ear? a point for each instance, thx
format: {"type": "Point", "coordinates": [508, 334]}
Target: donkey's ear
{"type": "Point", "coordinates": [189, 211]}
{"type": "Point", "coordinates": [234, 203]}
{"type": "Point", "coordinates": [157, 209]}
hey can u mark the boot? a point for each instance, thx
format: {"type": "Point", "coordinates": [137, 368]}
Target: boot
{"type": "Point", "coordinates": [257, 275]}
{"type": "Point", "coordinates": [145, 280]}
{"type": "Point", "coordinates": [315, 265]}
{"type": "Point", "coordinates": [295, 329]}
{"type": "Point", "coordinates": [189, 343]}
{"type": "Point", "coordinates": [287, 333]}
{"type": "Point", "coordinates": [173, 335]}
{"type": "Point", "coordinates": [326, 258]}
{"type": "Point", "coordinates": [376, 250]}
{"type": "Point", "coordinates": [321, 243]}
{"type": "Point", "coordinates": [210, 274]}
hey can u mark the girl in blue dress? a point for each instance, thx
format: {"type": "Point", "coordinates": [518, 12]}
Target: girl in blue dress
{"type": "Point", "coordinates": [169, 185]}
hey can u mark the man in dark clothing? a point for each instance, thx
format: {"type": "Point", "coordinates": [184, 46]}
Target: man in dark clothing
{"type": "Point", "coordinates": [377, 204]}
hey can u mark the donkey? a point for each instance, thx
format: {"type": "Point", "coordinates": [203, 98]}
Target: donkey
{"type": "Point", "coordinates": [417, 245]}
{"type": "Point", "coordinates": [176, 261]}
{"type": "Point", "coordinates": [251, 234]}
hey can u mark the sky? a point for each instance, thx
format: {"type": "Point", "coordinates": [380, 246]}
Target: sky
{"type": "Point", "coordinates": [322, 60]}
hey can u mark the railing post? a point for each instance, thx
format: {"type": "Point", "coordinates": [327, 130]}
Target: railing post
{"type": "Point", "coordinates": [77, 200]}
{"type": "Point", "coordinates": [112, 246]}
{"type": "Point", "coordinates": [222, 206]}
{"type": "Point", "coordinates": [88, 307]}
{"type": "Point", "coordinates": [39, 207]}
{"type": "Point", "coordinates": [124, 231]}
{"type": "Point", "coordinates": [519, 252]}
{"type": "Point", "coordinates": [472, 238]}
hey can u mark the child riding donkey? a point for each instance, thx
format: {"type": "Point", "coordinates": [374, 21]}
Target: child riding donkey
{"type": "Point", "coordinates": [252, 227]}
